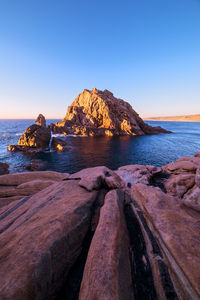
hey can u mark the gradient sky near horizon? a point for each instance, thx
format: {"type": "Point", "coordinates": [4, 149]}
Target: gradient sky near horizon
{"type": "Point", "coordinates": [145, 52]}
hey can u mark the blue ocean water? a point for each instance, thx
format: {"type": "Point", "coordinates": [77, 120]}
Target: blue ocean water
{"type": "Point", "coordinates": [112, 152]}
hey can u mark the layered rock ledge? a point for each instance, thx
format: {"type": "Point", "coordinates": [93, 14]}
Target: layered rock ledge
{"type": "Point", "coordinates": [98, 234]}
{"type": "Point", "coordinates": [96, 112]}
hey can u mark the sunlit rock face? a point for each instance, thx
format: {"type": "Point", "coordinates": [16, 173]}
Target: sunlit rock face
{"type": "Point", "coordinates": [100, 113]}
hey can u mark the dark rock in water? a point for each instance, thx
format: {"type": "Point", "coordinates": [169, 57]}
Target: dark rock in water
{"type": "Point", "coordinates": [58, 144]}
{"type": "Point", "coordinates": [4, 168]}
{"type": "Point", "coordinates": [33, 167]}
{"type": "Point", "coordinates": [98, 112]}
{"type": "Point", "coordinates": [41, 121]}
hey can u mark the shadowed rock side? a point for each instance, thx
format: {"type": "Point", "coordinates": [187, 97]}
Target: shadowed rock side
{"type": "Point", "coordinates": [102, 234]}
{"type": "Point", "coordinates": [100, 113]}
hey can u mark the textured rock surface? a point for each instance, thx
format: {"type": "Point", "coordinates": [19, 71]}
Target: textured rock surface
{"type": "Point", "coordinates": [176, 231]}
{"type": "Point", "coordinates": [68, 236]}
{"type": "Point", "coordinates": [41, 238]}
{"type": "Point", "coordinates": [97, 177]}
{"type": "Point", "coordinates": [100, 113]}
{"type": "Point", "coordinates": [107, 273]}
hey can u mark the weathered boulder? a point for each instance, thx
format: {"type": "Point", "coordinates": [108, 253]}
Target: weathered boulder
{"type": "Point", "coordinates": [107, 273]}
{"type": "Point", "coordinates": [183, 165]}
{"type": "Point", "coordinates": [100, 113]}
{"type": "Point", "coordinates": [41, 238]}
{"type": "Point", "coordinates": [4, 168]}
{"type": "Point", "coordinates": [97, 177]}
{"type": "Point", "coordinates": [178, 185]}
{"type": "Point", "coordinates": [132, 174]}
{"type": "Point", "coordinates": [41, 121]}
{"type": "Point", "coordinates": [19, 178]}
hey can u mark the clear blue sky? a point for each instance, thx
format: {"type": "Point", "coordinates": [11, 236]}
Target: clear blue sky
{"type": "Point", "coordinates": [146, 52]}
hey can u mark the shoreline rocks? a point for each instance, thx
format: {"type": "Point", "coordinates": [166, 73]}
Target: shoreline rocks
{"type": "Point", "coordinates": [127, 234]}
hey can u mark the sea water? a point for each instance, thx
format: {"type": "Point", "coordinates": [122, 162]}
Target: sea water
{"type": "Point", "coordinates": [113, 152]}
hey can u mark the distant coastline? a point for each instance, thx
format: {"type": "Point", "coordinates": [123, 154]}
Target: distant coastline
{"type": "Point", "coordinates": [186, 118]}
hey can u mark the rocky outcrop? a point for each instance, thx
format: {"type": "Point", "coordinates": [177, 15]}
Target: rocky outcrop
{"type": "Point", "coordinates": [35, 138]}
{"type": "Point", "coordinates": [100, 113]}
{"type": "Point", "coordinates": [132, 233]}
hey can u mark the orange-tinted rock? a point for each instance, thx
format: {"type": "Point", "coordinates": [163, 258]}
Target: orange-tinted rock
{"type": "Point", "coordinates": [98, 177]}
{"type": "Point", "coordinates": [41, 238]}
{"type": "Point", "coordinates": [107, 273]}
{"type": "Point", "coordinates": [41, 121]}
{"type": "Point", "coordinates": [35, 136]}
{"type": "Point", "coordinates": [100, 113]}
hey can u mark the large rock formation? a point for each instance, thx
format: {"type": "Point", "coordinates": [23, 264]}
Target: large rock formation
{"type": "Point", "coordinates": [100, 113]}
{"type": "Point", "coordinates": [102, 234]}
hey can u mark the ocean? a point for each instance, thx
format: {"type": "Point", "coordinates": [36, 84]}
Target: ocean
{"type": "Point", "coordinates": [112, 152]}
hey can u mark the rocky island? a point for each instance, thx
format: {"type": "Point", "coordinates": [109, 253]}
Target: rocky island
{"type": "Point", "coordinates": [132, 233]}
{"type": "Point", "coordinates": [96, 113]}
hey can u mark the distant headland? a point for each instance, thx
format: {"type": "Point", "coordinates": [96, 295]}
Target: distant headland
{"type": "Point", "coordinates": [186, 118]}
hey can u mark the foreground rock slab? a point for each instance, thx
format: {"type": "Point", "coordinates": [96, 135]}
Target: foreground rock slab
{"type": "Point", "coordinates": [107, 273]}
{"type": "Point", "coordinates": [178, 235]}
{"type": "Point", "coordinates": [41, 238]}
{"type": "Point", "coordinates": [19, 178]}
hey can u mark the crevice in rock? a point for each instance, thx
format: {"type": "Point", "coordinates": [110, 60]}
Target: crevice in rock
{"type": "Point", "coordinates": [137, 218]}
{"type": "Point", "coordinates": [168, 287]}
{"type": "Point", "coordinates": [143, 281]}
{"type": "Point", "coordinates": [157, 180]}
{"type": "Point", "coordinates": [71, 287]}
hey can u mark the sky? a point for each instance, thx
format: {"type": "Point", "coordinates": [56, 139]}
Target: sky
{"type": "Point", "coordinates": [146, 52]}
